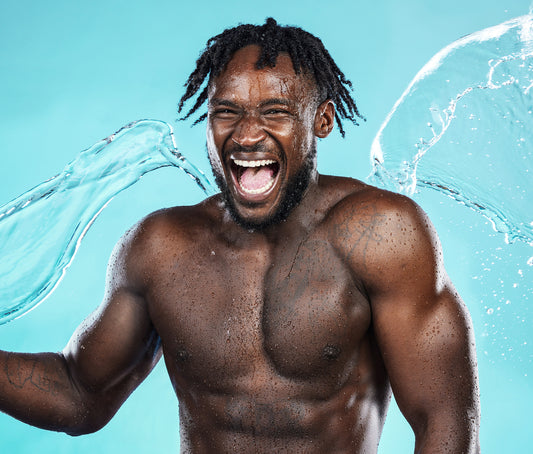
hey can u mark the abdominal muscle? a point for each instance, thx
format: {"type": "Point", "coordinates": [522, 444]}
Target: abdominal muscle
{"type": "Point", "coordinates": [224, 424]}
{"type": "Point", "coordinates": [267, 413]}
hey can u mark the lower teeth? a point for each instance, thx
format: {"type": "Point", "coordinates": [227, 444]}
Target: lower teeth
{"type": "Point", "coordinates": [265, 188]}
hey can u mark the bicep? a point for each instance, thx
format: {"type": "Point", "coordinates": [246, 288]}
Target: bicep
{"type": "Point", "coordinates": [117, 346]}
{"type": "Point", "coordinates": [422, 328]}
{"type": "Point", "coordinates": [428, 350]}
{"type": "Point", "coordinates": [114, 342]}
{"type": "Point", "coordinates": [425, 335]}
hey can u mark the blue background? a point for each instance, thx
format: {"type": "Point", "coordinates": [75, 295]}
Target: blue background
{"type": "Point", "coordinates": [73, 72]}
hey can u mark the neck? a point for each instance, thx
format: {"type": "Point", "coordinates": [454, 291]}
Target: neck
{"type": "Point", "coordinates": [304, 215]}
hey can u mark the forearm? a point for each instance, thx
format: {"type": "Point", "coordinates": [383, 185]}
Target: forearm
{"type": "Point", "coordinates": [37, 389]}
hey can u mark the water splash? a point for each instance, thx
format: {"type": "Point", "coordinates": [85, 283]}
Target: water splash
{"type": "Point", "coordinates": [447, 132]}
{"type": "Point", "coordinates": [41, 230]}
{"type": "Point", "coordinates": [464, 127]}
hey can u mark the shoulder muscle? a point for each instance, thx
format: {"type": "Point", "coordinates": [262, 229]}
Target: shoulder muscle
{"type": "Point", "coordinates": [386, 239]}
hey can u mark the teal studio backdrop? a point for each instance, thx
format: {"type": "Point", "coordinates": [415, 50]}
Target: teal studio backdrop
{"type": "Point", "coordinates": [73, 72]}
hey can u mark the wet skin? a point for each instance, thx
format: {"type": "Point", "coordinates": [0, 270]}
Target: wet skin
{"type": "Point", "coordinates": [287, 338]}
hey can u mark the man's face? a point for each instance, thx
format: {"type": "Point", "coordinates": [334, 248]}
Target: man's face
{"type": "Point", "coordinates": [261, 137]}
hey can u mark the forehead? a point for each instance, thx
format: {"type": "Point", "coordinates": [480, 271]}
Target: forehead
{"type": "Point", "coordinates": [240, 79]}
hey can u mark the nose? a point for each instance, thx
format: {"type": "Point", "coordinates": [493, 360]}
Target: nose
{"type": "Point", "coordinates": [248, 132]}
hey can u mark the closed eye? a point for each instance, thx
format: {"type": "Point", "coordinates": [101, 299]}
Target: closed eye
{"type": "Point", "coordinates": [224, 113]}
{"type": "Point", "coordinates": [277, 113]}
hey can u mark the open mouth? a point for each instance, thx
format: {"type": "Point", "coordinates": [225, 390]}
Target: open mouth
{"type": "Point", "coordinates": [255, 177]}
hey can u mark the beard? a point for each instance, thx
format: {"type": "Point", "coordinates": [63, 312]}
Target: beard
{"type": "Point", "coordinates": [293, 194]}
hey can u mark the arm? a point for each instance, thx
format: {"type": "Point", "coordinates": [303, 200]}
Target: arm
{"type": "Point", "coordinates": [81, 388]}
{"type": "Point", "coordinates": [422, 327]}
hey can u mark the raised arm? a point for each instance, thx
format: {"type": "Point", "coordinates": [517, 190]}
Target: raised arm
{"type": "Point", "coordinates": [78, 390]}
{"type": "Point", "coordinates": [421, 325]}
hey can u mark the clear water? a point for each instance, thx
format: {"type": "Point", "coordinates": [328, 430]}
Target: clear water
{"type": "Point", "coordinates": [464, 127]}
{"type": "Point", "coordinates": [41, 230]}
{"type": "Point", "coordinates": [53, 39]}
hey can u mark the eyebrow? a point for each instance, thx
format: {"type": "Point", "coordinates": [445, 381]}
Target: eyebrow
{"type": "Point", "coordinates": [282, 101]}
{"type": "Point", "coordinates": [266, 102]}
{"type": "Point", "coordinates": [222, 102]}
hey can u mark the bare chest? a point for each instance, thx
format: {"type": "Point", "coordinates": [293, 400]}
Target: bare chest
{"type": "Point", "coordinates": [292, 311]}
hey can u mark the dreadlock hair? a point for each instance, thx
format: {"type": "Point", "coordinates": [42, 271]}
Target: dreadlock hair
{"type": "Point", "coordinates": [305, 50]}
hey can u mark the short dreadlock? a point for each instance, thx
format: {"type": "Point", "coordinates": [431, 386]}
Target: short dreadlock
{"type": "Point", "coordinates": [305, 50]}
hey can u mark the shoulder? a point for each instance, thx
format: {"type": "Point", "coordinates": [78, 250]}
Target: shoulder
{"type": "Point", "coordinates": [358, 203]}
{"type": "Point", "coordinates": [377, 232]}
{"type": "Point", "coordinates": [152, 240]}
{"type": "Point", "coordinates": [180, 224]}
{"type": "Point", "coordinates": [377, 208]}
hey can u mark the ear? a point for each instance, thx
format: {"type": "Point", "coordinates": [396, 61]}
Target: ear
{"type": "Point", "coordinates": [324, 119]}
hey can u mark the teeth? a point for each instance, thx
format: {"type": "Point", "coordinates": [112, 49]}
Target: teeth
{"type": "Point", "coordinates": [265, 188]}
{"type": "Point", "coordinates": [258, 163]}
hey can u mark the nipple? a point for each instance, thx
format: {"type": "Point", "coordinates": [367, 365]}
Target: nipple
{"type": "Point", "coordinates": [331, 352]}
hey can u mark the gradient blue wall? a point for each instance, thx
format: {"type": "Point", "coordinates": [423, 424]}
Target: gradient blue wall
{"type": "Point", "coordinates": [73, 72]}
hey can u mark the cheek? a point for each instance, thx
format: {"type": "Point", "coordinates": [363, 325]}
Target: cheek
{"type": "Point", "coordinates": [217, 134]}
{"type": "Point", "coordinates": [210, 137]}
{"type": "Point", "coordinates": [307, 130]}
{"type": "Point", "coordinates": [301, 131]}
{"type": "Point", "coordinates": [212, 150]}
{"type": "Point", "coordinates": [214, 159]}
{"type": "Point", "coordinates": [303, 137]}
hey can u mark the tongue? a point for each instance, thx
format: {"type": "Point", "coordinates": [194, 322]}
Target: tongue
{"type": "Point", "coordinates": [256, 177]}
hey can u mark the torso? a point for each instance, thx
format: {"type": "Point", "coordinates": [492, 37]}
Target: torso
{"type": "Point", "coordinates": [267, 338]}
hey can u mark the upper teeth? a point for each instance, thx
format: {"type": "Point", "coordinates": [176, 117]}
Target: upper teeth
{"type": "Point", "coordinates": [258, 163]}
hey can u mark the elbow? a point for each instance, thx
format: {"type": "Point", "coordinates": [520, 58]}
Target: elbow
{"type": "Point", "coordinates": [78, 431]}
{"type": "Point", "coordinates": [87, 411]}
{"type": "Point", "coordinates": [89, 415]}
{"type": "Point", "coordinates": [85, 430]}
{"type": "Point", "coordinates": [87, 424]}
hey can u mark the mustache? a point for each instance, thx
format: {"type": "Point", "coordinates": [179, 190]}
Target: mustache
{"type": "Point", "coordinates": [256, 148]}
